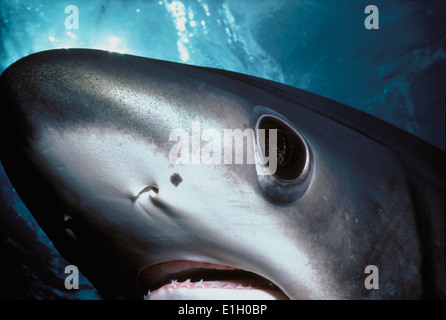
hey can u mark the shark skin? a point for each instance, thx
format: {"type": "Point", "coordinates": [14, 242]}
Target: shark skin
{"type": "Point", "coordinates": [85, 142]}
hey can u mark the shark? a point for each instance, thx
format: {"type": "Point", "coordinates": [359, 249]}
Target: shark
{"type": "Point", "coordinates": [355, 208]}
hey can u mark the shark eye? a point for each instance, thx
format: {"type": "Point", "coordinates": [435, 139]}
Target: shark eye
{"type": "Point", "coordinates": [291, 153]}
{"type": "Point", "coordinates": [290, 158]}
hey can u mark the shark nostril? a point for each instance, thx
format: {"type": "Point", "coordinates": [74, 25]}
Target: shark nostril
{"type": "Point", "coordinates": [152, 191]}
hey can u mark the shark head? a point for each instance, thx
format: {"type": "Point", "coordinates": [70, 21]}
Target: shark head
{"type": "Point", "coordinates": [152, 177]}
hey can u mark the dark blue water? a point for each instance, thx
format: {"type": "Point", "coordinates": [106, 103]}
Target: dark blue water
{"type": "Point", "coordinates": [397, 73]}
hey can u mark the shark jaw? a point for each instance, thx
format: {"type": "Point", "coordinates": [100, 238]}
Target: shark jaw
{"type": "Point", "coordinates": [191, 280]}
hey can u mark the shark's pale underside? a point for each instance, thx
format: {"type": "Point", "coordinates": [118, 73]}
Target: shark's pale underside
{"type": "Point", "coordinates": [85, 141]}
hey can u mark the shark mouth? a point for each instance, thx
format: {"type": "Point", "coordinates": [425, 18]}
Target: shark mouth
{"type": "Point", "coordinates": [190, 280]}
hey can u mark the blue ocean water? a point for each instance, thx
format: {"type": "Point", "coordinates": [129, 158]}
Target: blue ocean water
{"type": "Point", "coordinates": [397, 73]}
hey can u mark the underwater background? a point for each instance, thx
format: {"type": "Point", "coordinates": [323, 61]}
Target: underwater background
{"type": "Point", "coordinates": [396, 73]}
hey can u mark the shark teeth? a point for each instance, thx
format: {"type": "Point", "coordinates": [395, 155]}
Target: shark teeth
{"type": "Point", "coordinates": [199, 284]}
{"type": "Point", "coordinates": [188, 284]}
{"type": "Point", "coordinates": [220, 278]}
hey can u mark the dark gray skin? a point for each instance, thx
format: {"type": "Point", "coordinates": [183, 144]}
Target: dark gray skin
{"type": "Point", "coordinates": [373, 194]}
